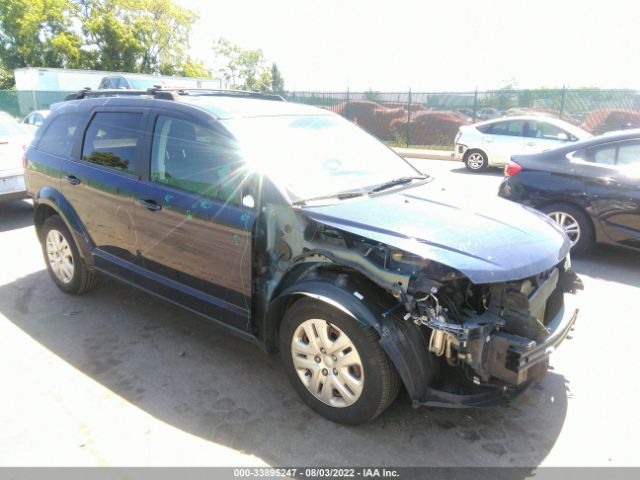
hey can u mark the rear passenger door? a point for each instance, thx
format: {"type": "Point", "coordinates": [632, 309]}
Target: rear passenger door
{"type": "Point", "coordinates": [101, 178]}
{"type": "Point", "coordinates": [194, 234]}
{"type": "Point", "coordinates": [503, 139]}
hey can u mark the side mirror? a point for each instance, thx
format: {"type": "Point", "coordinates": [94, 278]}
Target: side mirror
{"type": "Point", "coordinates": [248, 201]}
{"type": "Point", "coordinates": [563, 137]}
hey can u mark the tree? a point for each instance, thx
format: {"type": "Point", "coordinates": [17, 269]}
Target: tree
{"type": "Point", "coordinates": [39, 33]}
{"type": "Point", "coordinates": [277, 82]}
{"type": "Point", "coordinates": [146, 36]}
{"type": "Point", "coordinates": [246, 69]}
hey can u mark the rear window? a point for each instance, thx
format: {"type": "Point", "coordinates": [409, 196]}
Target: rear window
{"type": "Point", "coordinates": [60, 135]}
{"type": "Point", "coordinates": [112, 140]}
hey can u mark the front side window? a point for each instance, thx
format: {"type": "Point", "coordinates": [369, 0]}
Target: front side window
{"type": "Point", "coordinates": [112, 140]}
{"type": "Point", "coordinates": [546, 131]}
{"type": "Point", "coordinates": [513, 128]}
{"type": "Point", "coordinates": [629, 154]}
{"type": "Point", "coordinates": [59, 137]}
{"type": "Point", "coordinates": [196, 159]}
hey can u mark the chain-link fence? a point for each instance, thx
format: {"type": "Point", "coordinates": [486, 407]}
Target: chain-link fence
{"type": "Point", "coordinates": [430, 119]}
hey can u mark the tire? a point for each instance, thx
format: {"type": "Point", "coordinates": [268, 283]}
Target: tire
{"type": "Point", "coordinates": [64, 263]}
{"type": "Point", "coordinates": [576, 224]}
{"type": "Point", "coordinates": [476, 160]}
{"type": "Point", "coordinates": [363, 387]}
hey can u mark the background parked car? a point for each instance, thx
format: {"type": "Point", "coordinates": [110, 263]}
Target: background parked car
{"type": "Point", "coordinates": [35, 119]}
{"type": "Point", "coordinates": [591, 188]}
{"type": "Point", "coordinates": [13, 139]}
{"type": "Point", "coordinates": [128, 82]}
{"type": "Point", "coordinates": [493, 142]}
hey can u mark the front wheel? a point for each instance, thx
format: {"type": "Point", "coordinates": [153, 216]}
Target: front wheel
{"type": "Point", "coordinates": [336, 364]}
{"type": "Point", "coordinates": [476, 160]}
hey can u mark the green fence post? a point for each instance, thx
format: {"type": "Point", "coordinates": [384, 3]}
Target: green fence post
{"type": "Point", "coordinates": [562, 100]}
{"type": "Point", "coordinates": [346, 107]}
{"type": "Point", "coordinates": [475, 104]}
{"type": "Point", "coordinates": [409, 120]}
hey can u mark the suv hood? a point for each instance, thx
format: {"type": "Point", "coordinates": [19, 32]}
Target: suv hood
{"type": "Point", "coordinates": [490, 242]}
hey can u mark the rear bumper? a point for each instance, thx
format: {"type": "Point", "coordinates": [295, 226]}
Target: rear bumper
{"type": "Point", "coordinates": [12, 187]}
{"type": "Point", "coordinates": [459, 151]}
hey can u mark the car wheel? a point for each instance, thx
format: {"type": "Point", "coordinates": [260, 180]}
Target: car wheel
{"type": "Point", "coordinates": [64, 263]}
{"type": "Point", "coordinates": [475, 160]}
{"type": "Point", "coordinates": [575, 223]}
{"type": "Point", "coordinates": [335, 363]}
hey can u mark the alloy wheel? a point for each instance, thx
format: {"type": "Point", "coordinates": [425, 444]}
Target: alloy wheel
{"type": "Point", "coordinates": [475, 161]}
{"type": "Point", "coordinates": [569, 225]}
{"type": "Point", "coordinates": [327, 362]}
{"type": "Point", "coordinates": [60, 256]}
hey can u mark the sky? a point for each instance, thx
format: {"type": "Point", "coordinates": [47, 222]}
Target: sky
{"type": "Point", "coordinates": [450, 45]}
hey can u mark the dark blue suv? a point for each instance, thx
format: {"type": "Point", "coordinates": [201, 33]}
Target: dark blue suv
{"type": "Point", "coordinates": [295, 229]}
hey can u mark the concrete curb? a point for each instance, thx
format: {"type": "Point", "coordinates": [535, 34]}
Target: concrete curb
{"type": "Point", "coordinates": [425, 154]}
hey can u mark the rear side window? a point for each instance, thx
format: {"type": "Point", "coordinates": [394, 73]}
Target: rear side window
{"type": "Point", "coordinates": [513, 128]}
{"type": "Point", "coordinates": [60, 135]}
{"type": "Point", "coordinates": [112, 140]}
{"type": "Point", "coordinates": [195, 159]}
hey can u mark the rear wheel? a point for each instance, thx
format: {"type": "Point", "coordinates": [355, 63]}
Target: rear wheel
{"type": "Point", "coordinates": [475, 160]}
{"type": "Point", "coordinates": [64, 263]}
{"type": "Point", "coordinates": [336, 364]}
{"type": "Point", "coordinates": [575, 223]}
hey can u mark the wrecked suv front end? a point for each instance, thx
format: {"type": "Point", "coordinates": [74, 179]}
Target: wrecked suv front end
{"type": "Point", "coordinates": [489, 313]}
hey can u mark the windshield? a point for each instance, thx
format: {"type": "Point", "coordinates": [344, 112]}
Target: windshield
{"type": "Point", "coordinates": [316, 156]}
{"type": "Point", "coordinates": [143, 83]}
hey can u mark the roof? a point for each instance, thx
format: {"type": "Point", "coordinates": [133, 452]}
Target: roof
{"type": "Point", "coordinates": [223, 104]}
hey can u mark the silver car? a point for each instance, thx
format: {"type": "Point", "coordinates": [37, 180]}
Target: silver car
{"type": "Point", "coordinates": [492, 143]}
{"type": "Point", "coordinates": [13, 139]}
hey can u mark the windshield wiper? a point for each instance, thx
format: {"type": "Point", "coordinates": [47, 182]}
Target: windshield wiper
{"type": "Point", "coordinates": [339, 196]}
{"type": "Point", "coordinates": [395, 182]}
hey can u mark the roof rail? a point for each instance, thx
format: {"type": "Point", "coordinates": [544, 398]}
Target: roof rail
{"type": "Point", "coordinates": [165, 93]}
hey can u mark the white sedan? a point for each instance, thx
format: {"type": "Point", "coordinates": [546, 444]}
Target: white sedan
{"type": "Point", "coordinates": [13, 139]}
{"type": "Point", "coordinates": [492, 143]}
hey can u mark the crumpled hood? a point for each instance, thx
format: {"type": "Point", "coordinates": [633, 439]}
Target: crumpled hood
{"type": "Point", "coordinates": [488, 242]}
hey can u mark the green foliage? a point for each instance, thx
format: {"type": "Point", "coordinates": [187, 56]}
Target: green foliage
{"type": "Point", "coordinates": [38, 33]}
{"type": "Point", "coordinates": [145, 36]}
{"type": "Point", "coordinates": [277, 81]}
{"type": "Point", "coordinates": [373, 96]}
{"type": "Point", "coordinates": [246, 69]}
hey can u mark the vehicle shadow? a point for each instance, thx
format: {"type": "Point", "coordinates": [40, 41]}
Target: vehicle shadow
{"type": "Point", "coordinates": [621, 265]}
{"type": "Point", "coordinates": [15, 215]}
{"type": "Point", "coordinates": [187, 373]}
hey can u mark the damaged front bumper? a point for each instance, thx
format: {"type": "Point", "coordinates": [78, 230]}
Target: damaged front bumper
{"type": "Point", "coordinates": [506, 364]}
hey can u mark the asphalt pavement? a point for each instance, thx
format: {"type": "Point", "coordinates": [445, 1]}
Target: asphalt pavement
{"type": "Point", "coordinates": [116, 377]}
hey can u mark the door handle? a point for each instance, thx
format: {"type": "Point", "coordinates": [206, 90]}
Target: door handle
{"type": "Point", "coordinates": [607, 181]}
{"type": "Point", "coordinates": [530, 144]}
{"type": "Point", "coordinates": [72, 179]}
{"type": "Point", "coordinates": [150, 205]}
{"type": "Point", "coordinates": [488, 140]}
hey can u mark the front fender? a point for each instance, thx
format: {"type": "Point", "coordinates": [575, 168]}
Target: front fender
{"type": "Point", "coordinates": [371, 306]}
{"type": "Point", "coordinates": [54, 199]}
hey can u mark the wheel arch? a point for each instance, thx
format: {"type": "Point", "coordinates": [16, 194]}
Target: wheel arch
{"type": "Point", "coordinates": [371, 306]}
{"type": "Point", "coordinates": [50, 201]}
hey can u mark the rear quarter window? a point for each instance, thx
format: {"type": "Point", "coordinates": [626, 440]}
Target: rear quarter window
{"type": "Point", "coordinates": [60, 135]}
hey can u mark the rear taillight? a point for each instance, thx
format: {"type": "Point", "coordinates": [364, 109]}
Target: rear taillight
{"type": "Point", "coordinates": [25, 162]}
{"type": "Point", "coordinates": [512, 168]}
